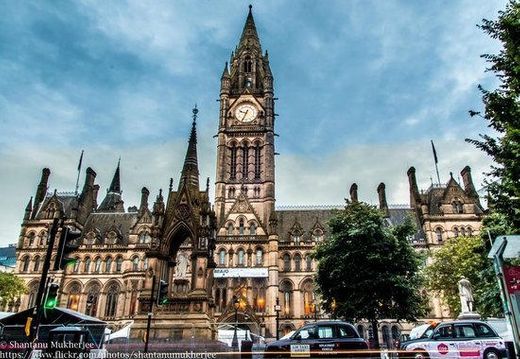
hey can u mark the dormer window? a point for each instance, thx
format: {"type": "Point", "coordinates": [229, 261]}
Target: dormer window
{"type": "Point", "coordinates": [457, 207]}
{"type": "Point", "coordinates": [90, 238]}
{"type": "Point", "coordinates": [111, 237]}
{"type": "Point", "coordinates": [252, 229]}
{"type": "Point", "coordinates": [241, 226]}
{"type": "Point", "coordinates": [248, 64]}
{"type": "Point", "coordinates": [230, 229]}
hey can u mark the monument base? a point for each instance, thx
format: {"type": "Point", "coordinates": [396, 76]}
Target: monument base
{"type": "Point", "coordinates": [469, 315]}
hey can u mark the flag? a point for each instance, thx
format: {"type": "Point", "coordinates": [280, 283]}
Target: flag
{"type": "Point", "coordinates": [434, 153]}
{"type": "Point", "coordinates": [80, 160]}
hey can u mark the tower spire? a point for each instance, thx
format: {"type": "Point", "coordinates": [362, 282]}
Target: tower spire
{"type": "Point", "coordinates": [115, 186]}
{"type": "Point", "coordinates": [249, 37]}
{"type": "Point", "coordinates": [190, 169]}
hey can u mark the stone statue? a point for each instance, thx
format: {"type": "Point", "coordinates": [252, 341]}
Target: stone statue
{"type": "Point", "coordinates": [466, 295]}
{"type": "Point", "coordinates": [182, 266]}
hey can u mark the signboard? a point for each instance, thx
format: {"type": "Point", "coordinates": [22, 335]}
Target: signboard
{"type": "Point", "coordinates": [512, 279]}
{"type": "Point", "coordinates": [240, 273]}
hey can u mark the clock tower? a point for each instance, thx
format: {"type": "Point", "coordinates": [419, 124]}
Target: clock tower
{"type": "Point", "coordinates": [244, 191]}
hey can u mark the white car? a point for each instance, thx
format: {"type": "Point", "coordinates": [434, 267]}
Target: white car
{"type": "Point", "coordinates": [457, 339]}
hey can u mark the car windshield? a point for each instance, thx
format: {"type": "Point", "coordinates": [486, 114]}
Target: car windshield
{"type": "Point", "coordinates": [428, 333]}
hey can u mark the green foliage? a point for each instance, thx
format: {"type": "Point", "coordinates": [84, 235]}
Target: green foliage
{"type": "Point", "coordinates": [367, 270]}
{"type": "Point", "coordinates": [465, 257]}
{"type": "Point", "coordinates": [502, 111]}
{"type": "Point", "coordinates": [11, 287]}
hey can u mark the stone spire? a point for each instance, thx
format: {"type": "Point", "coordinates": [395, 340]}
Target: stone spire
{"type": "Point", "coordinates": [249, 38]}
{"type": "Point", "coordinates": [115, 186]}
{"type": "Point", "coordinates": [113, 201]}
{"type": "Point", "coordinates": [190, 170]}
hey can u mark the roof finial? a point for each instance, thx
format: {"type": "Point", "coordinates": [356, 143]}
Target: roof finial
{"type": "Point", "coordinates": [195, 112]}
{"type": "Point", "coordinates": [250, 8]}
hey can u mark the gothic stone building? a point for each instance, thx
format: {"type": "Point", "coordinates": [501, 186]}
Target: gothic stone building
{"type": "Point", "coordinates": [243, 247]}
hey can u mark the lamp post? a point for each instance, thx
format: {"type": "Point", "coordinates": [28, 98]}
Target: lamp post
{"type": "Point", "coordinates": [277, 309]}
{"type": "Point", "coordinates": [234, 342]}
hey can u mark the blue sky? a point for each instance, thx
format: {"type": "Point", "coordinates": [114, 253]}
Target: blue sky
{"type": "Point", "coordinates": [362, 85]}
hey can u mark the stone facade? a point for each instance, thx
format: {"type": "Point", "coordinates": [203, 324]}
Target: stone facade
{"type": "Point", "coordinates": [261, 253]}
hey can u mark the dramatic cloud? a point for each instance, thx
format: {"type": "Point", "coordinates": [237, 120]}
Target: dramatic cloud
{"type": "Point", "coordinates": [362, 85]}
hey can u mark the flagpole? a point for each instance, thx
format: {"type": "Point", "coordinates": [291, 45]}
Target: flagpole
{"type": "Point", "coordinates": [79, 171]}
{"type": "Point", "coordinates": [436, 163]}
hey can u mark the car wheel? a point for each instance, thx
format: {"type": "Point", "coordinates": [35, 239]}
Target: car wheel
{"type": "Point", "coordinates": [420, 354]}
{"type": "Point", "coordinates": [491, 354]}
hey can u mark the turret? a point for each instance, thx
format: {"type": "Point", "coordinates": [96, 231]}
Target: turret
{"type": "Point", "coordinates": [113, 201]}
{"type": "Point", "coordinates": [381, 192]}
{"type": "Point", "coordinates": [414, 189]}
{"type": "Point", "coordinates": [41, 191]}
{"type": "Point", "coordinates": [353, 193]}
{"type": "Point", "coordinates": [469, 187]}
{"type": "Point", "coordinates": [28, 210]}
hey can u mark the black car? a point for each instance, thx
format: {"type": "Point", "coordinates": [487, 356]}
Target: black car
{"type": "Point", "coordinates": [332, 338]}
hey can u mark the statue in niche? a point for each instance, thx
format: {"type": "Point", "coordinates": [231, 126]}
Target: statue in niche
{"type": "Point", "coordinates": [181, 267]}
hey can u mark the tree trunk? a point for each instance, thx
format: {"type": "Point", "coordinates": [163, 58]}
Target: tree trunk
{"type": "Point", "coordinates": [374, 341]}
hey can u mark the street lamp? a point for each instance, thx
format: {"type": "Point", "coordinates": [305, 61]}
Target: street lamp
{"type": "Point", "coordinates": [234, 342]}
{"type": "Point", "coordinates": [277, 309]}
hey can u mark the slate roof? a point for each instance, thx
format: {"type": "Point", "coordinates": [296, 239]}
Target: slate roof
{"type": "Point", "coordinates": [67, 199]}
{"type": "Point", "coordinates": [102, 223]}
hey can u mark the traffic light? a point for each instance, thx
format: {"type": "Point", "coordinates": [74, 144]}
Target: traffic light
{"type": "Point", "coordinates": [51, 299]}
{"type": "Point", "coordinates": [162, 297]}
{"type": "Point", "coordinates": [66, 246]}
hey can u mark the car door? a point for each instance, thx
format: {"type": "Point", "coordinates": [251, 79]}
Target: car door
{"type": "Point", "coordinates": [442, 343]}
{"type": "Point", "coordinates": [303, 342]}
{"type": "Point", "coordinates": [326, 338]}
{"type": "Point", "coordinates": [467, 343]}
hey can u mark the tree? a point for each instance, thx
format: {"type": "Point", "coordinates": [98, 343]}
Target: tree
{"type": "Point", "coordinates": [465, 257]}
{"type": "Point", "coordinates": [502, 110]}
{"type": "Point", "coordinates": [368, 270]}
{"type": "Point", "coordinates": [11, 287]}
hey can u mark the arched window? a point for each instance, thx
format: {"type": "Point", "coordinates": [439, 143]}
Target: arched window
{"type": "Point", "coordinates": [259, 257]}
{"type": "Point", "coordinates": [286, 289]}
{"type": "Point", "coordinates": [92, 300]}
{"type": "Point", "coordinates": [87, 265]}
{"type": "Point", "coordinates": [308, 263]}
{"type": "Point", "coordinates": [221, 294]}
{"type": "Point", "coordinates": [258, 166]}
{"type": "Point", "coordinates": [317, 235]}
{"type": "Point", "coordinates": [135, 264]}
{"type": "Point", "coordinates": [457, 206]}
{"type": "Point", "coordinates": [469, 231]}
{"type": "Point", "coordinates": [144, 237]}
{"type": "Point", "coordinates": [231, 192]}
{"type": "Point", "coordinates": [108, 265]}
{"type": "Point", "coordinates": [308, 298]}
{"type": "Point", "coordinates": [222, 257]}
{"type": "Point", "coordinates": [230, 229]}
{"type": "Point", "coordinates": [438, 234]}
{"type": "Point", "coordinates": [119, 264]}
{"type": "Point", "coordinates": [33, 291]}
{"type": "Point", "coordinates": [297, 262]}
{"type": "Point", "coordinates": [245, 161]}
{"type": "Point", "coordinates": [252, 229]}
{"type": "Point", "coordinates": [36, 263]}
{"type": "Point", "coordinates": [463, 231]}
{"type": "Point", "coordinates": [97, 266]}
{"type": "Point", "coordinates": [296, 237]}
{"type": "Point", "coordinates": [396, 334]}
{"type": "Point", "coordinates": [241, 256]}
{"type": "Point", "coordinates": [248, 64]}
{"type": "Point", "coordinates": [43, 238]}
{"type": "Point", "coordinates": [286, 262]}
{"type": "Point", "coordinates": [233, 162]}
{"type": "Point", "coordinates": [25, 264]}
{"type": "Point", "coordinates": [111, 303]}
{"type": "Point", "coordinates": [241, 227]}
{"type": "Point", "coordinates": [456, 231]}
{"type": "Point", "coordinates": [30, 239]}
{"type": "Point", "coordinates": [259, 288]}
{"type": "Point", "coordinates": [76, 265]}
{"type": "Point", "coordinates": [73, 300]}
{"type": "Point", "coordinates": [145, 263]}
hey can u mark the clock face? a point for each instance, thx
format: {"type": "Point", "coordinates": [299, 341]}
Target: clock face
{"type": "Point", "coordinates": [246, 112]}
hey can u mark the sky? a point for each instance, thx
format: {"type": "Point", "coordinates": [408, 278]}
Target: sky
{"type": "Point", "coordinates": [363, 86]}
